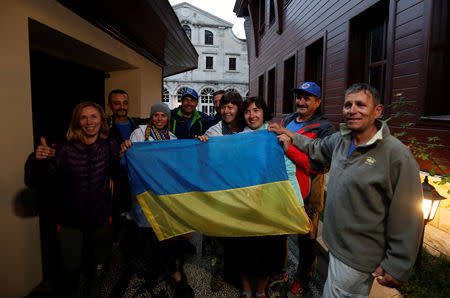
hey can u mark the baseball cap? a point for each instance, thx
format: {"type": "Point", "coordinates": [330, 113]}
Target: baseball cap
{"type": "Point", "coordinates": [308, 87]}
{"type": "Point", "coordinates": [189, 92]}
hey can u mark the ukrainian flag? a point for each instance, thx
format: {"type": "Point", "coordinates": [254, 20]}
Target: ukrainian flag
{"type": "Point", "coordinates": [229, 186]}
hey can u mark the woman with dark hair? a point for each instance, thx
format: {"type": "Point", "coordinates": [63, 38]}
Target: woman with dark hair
{"type": "Point", "coordinates": [230, 105]}
{"type": "Point", "coordinates": [261, 257]}
{"type": "Point", "coordinates": [214, 247]}
{"type": "Point", "coordinates": [81, 171]}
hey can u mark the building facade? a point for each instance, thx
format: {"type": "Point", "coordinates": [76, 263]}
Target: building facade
{"type": "Point", "coordinates": [222, 59]}
{"type": "Point", "coordinates": [398, 46]}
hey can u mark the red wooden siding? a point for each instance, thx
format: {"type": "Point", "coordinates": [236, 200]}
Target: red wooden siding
{"type": "Point", "coordinates": [306, 21]}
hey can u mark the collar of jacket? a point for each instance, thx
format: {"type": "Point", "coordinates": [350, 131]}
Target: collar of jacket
{"type": "Point", "coordinates": [383, 132]}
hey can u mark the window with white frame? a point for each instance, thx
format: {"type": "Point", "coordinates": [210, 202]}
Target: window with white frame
{"type": "Point", "coordinates": [179, 93]}
{"type": "Point", "coordinates": [206, 101]}
{"type": "Point", "coordinates": [187, 30]}
{"type": "Point", "coordinates": [209, 37]}
{"type": "Point", "coordinates": [232, 63]}
{"type": "Point", "coordinates": [209, 62]}
{"type": "Point", "coordinates": [165, 95]}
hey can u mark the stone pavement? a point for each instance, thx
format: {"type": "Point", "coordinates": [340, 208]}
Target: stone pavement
{"type": "Point", "coordinates": [197, 271]}
{"type": "Point", "coordinates": [199, 276]}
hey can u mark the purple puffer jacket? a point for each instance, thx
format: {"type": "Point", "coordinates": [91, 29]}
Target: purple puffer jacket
{"type": "Point", "coordinates": [82, 173]}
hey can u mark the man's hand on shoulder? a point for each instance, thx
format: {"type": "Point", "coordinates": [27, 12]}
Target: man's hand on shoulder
{"type": "Point", "coordinates": [386, 279]}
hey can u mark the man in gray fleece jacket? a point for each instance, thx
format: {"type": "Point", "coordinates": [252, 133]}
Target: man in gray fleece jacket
{"type": "Point", "coordinates": [373, 213]}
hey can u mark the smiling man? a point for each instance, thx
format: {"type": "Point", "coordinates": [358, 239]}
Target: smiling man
{"type": "Point", "coordinates": [309, 121]}
{"type": "Point", "coordinates": [187, 122]}
{"type": "Point", "coordinates": [373, 214]}
{"type": "Point", "coordinates": [120, 125]}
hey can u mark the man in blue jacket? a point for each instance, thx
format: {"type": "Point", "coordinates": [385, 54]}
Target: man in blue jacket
{"type": "Point", "coordinates": [187, 122]}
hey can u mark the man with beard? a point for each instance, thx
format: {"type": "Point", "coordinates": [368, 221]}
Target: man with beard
{"type": "Point", "coordinates": [187, 122]}
{"type": "Point", "coordinates": [121, 126]}
{"type": "Point", "coordinates": [308, 121]}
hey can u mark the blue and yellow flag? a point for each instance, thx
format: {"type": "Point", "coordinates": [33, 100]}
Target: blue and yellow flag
{"type": "Point", "coordinates": [229, 186]}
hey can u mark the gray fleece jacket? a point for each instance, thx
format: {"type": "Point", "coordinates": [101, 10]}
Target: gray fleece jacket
{"type": "Point", "coordinates": [373, 211]}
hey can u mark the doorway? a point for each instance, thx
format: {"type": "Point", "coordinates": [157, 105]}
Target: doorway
{"type": "Point", "coordinates": [57, 86]}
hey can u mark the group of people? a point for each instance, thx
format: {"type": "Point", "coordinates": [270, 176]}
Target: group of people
{"type": "Point", "coordinates": [372, 219]}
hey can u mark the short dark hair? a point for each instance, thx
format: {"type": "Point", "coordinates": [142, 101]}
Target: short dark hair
{"type": "Point", "coordinates": [260, 103]}
{"type": "Point", "coordinates": [218, 92]}
{"type": "Point", "coordinates": [366, 88]}
{"type": "Point", "coordinates": [231, 97]}
{"type": "Point", "coordinates": [116, 91]}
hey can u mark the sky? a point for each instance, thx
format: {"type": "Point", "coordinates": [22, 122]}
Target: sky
{"type": "Point", "coordinates": [220, 8]}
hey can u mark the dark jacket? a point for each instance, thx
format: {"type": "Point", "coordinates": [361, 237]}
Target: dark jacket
{"type": "Point", "coordinates": [200, 124]}
{"type": "Point", "coordinates": [81, 175]}
{"type": "Point", "coordinates": [217, 118]}
{"type": "Point", "coordinates": [114, 131]}
{"type": "Point", "coordinates": [309, 173]}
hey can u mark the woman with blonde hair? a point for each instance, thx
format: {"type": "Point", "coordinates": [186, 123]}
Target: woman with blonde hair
{"type": "Point", "coordinates": [81, 172]}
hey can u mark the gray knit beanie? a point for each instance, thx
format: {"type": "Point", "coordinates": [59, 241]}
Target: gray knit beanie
{"type": "Point", "coordinates": [160, 107]}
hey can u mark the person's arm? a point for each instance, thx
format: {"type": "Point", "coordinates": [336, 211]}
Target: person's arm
{"type": "Point", "coordinates": [404, 223]}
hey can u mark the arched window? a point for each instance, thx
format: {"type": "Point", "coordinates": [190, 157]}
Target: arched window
{"type": "Point", "coordinates": [231, 90]}
{"type": "Point", "coordinates": [209, 37]}
{"type": "Point", "coordinates": [179, 93]}
{"type": "Point", "coordinates": [206, 101]}
{"type": "Point", "coordinates": [165, 95]}
{"type": "Point", "coordinates": [187, 30]}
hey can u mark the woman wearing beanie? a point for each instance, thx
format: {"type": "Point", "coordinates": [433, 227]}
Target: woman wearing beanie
{"type": "Point", "coordinates": [165, 257]}
{"type": "Point", "coordinates": [157, 128]}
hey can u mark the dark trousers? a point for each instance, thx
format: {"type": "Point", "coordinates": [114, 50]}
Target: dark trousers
{"type": "Point", "coordinates": [50, 248]}
{"type": "Point", "coordinates": [307, 251]}
{"type": "Point", "coordinates": [82, 253]}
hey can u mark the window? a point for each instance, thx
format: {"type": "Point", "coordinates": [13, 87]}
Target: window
{"type": "Point", "coordinates": [209, 37]}
{"type": "Point", "coordinates": [438, 81]}
{"type": "Point", "coordinates": [209, 62]}
{"type": "Point", "coordinates": [165, 95]}
{"type": "Point", "coordinates": [288, 84]}
{"type": "Point", "coordinates": [187, 30]}
{"type": "Point", "coordinates": [314, 62]}
{"type": "Point", "coordinates": [368, 33]}
{"type": "Point", "coordinates": [261, 86]}
{"type": "Point", "coordinates": [206, 101]}
{"type": "Point", "coordinates": [232, 64]}
{"type": "Point", "coordinates": [231, 90]}
{"type": "Point", "coordinates": [271, 91]}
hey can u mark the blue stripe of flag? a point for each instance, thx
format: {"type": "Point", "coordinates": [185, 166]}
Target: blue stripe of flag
{"type": "Point", "coordinates": [227, 162]}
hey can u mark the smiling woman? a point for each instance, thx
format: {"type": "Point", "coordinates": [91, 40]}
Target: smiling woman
{"type": "Point", "coordinates": [88, 123]}
{"type": "Point", "coordinates": [80, 173]}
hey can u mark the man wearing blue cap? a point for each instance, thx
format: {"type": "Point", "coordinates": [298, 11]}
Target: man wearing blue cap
{"type": "Point", "coordinates": [307, 120]}
{"type": "Point", "coordinates": [187, 122]}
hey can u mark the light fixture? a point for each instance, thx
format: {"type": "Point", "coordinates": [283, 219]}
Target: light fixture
{"type": "Point", "coordinates": [430, 204]}
{"type": "Point", "coordinates": [431, 200]}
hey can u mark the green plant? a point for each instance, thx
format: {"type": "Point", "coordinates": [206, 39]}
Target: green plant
{"type": "Point", "coordinates": [431, 279]}
{"type": "Point", "coordinates": [420, 150]}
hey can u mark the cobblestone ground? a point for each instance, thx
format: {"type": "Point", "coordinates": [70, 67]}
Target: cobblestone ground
{"type": "Point", "coordinates": [198, 275]}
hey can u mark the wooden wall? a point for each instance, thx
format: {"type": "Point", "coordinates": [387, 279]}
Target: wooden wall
{"type": "Point", "coordinates": [304, 22]}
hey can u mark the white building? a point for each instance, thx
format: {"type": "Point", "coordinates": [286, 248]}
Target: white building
{"type": "Point", "coordinates": [222, 63]}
